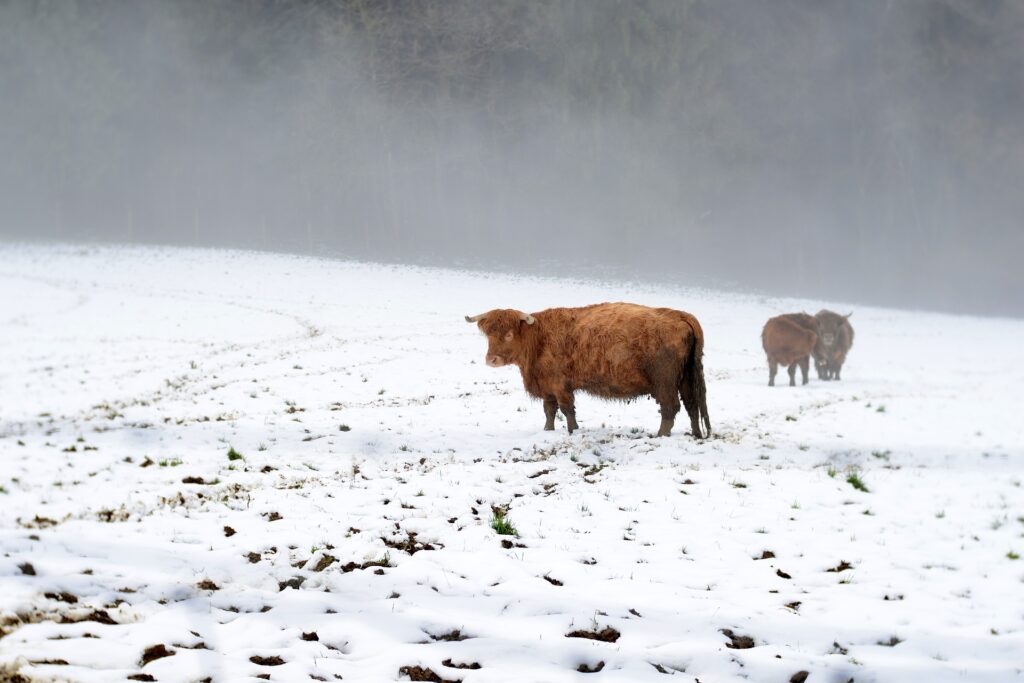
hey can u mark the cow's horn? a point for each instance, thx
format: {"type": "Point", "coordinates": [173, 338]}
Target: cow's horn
{"type": "Point", "coordinates": [475, 318]}
{"type": "Point", "coordinates": [527, 318]}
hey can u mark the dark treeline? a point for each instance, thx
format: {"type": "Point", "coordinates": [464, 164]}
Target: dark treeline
{"type": "Point", "coordinates": [871, 150]}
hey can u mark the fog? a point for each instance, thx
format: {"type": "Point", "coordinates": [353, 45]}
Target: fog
{"type": "Point", "coordinates": [868, 151]}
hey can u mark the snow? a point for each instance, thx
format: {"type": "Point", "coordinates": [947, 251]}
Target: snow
{"type": "Point", "coordinates": [127, 370]}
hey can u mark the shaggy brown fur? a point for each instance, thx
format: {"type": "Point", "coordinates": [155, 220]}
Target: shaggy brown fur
{"type": "Point", "coordinates": [789, 340]}
{"type": "Point", "coordinates": [615, 351]}
{"type": "Point", "coordinates": [835, 337]}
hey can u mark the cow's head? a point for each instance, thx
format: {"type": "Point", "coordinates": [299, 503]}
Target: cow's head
{"type": "Point", "coordinates": [504, 329]}
{"type": "Point", "coordinates": [829, 324]}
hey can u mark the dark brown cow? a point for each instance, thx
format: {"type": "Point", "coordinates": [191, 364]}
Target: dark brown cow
{"type": "Point", "coordinates": [789, 340]}
{"type": "Point", "coordinates": [614, 351]}
{"type": "Point", "coordinates": [835, 337]}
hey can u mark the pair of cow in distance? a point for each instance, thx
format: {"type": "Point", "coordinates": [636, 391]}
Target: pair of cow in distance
{"type": "Point", "coordinates": [793, 338]}
{"type": "Point", "coordinates": [624, 351]}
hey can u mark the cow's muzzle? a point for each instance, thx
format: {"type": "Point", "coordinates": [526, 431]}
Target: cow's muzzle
{"type": "Point", "coordinates": [496, 361]}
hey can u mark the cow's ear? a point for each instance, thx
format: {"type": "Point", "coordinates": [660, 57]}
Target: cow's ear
{"type": "Point", "coordinates": [847, 316]}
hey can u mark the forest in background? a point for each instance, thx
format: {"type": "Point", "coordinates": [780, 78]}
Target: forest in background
{"type": "Point", "coordinates": [871, 151]}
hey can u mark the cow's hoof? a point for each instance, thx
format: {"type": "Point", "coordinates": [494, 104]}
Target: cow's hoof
{"type": "Point", "coordinates": [549, 428]}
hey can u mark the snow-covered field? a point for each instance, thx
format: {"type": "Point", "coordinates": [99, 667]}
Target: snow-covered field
{"type": "Point", "coordinates": [351, 536]}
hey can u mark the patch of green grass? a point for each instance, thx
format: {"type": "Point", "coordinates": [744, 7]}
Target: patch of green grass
{"type": "Point", "coordinates": [738, 485]}
{"type": "Point", "coordinates": [173, 462]}
{"type": "Point", "coordinates": [795, 505]}
{"type": "Point", "coordinates": [880, 409]}
{"type": "Point", "coordinates": [1012, 555]}
{"type": "Point", "coordinates": [262, 447]}
{"type": "Point", "coordinates": [3, 490]}
{"type": "Point", "coordinates": [831, 471]}
{"type": "Point", "coordinates": [881, 455]}
{"type": "Point", "coordinates": [503, 525]}
{"type": "Point", "coordinates": [941, 514]}
{"type": "Point", "coordinates": [344, 428]}
{"type": "Point", "coordinates": [234, 455]}
{"type": "Point", "coordinates": [854, 480]}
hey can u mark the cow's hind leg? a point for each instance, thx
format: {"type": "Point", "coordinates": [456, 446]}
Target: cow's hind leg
{"type": "Point", "coordinates": [804, 367]}
{"type": "Point", "coordinates": [667, 397]}
{"type": "Point", "coordinates": [567, 404]}
{"type": "Point", "coordinates": [689, 395]}
{"type": "Point", "coordinates": [773, 369]}
{"type": "Point", "coordinates": [550, 406]}
{"type": "Point", "coordinates": [792, 374]}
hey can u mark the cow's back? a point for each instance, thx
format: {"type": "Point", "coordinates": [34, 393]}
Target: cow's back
{"type": "Point", "coordinates": [611, 347]}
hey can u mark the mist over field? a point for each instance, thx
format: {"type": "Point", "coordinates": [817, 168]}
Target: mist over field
{"type": "Point", "coordinates": [866, 151]}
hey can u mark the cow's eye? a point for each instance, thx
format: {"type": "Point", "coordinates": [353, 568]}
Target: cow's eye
{"type": "Point", "coordinates": [508, 336]}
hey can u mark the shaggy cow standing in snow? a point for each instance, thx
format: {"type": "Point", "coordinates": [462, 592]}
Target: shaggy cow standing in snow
{"type": "Point", "coordinates": [789, 340]}
{"type": "Point", "coordinates": [614, 351]}
{"type": "Point", "coordinates": [835, 337]}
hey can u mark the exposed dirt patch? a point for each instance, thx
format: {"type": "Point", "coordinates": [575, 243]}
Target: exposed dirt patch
{"type": "Point", "coordinates": [587, 669]}
{"type": "Point", "coordinates": [324, 562]}
{"type": "Point", "coordinates": [99, 616]}
{"type": "Point", "coordinates": [229, 532]}
{"type": "Point", "coordinates": [538, 474]}
{"type": "Point", "coordinates": [799, 677]}
{"type": "Point", "coordinates": [766, 555]}
{"type": "Point", "coordinates": [63, 596]}
{"type": "Point", "coordinates": [140, 677]}
{"type": "Point", "coordinates": [892, 642]}
{"type": "Point", "coordinates": [310, 637]}
{"type": "Point", "coordinates": [605, 635]}
{"type": "Point", "coordinates": [552, 581]}
{"type": "Point", "coordinates": [194, 480]}
{"type": "Point", "coordinates": [418, 673]}
{"type": "Point", "coordinates": [737, 642]}
{"type": "Point", "coordinates": [27, 569]}
{"type": "Point", "coordinates": [460, 665]}
{"type": "Point", "coordinates": [507, 544]}
{"type": "Point", "coordinates": [409, 544]}
{"type": "Point", "coordinates": [352, 566]}
{"type": "Point", "coordinates": [38, 522]}
{"type": "Point", "coordinates": [154, 652]}
{"type": "Point", "coordinates": [294, 582]}
{"type": "Point", "coordinates": [207, 585]}
{"type": "Point", "coordinates": [782, 575]}
{"type": "Point", "coordinates": [452, 636]}
{"type": "Point", "coordinates": [841, 567]}
{"type": "Point", "coordinates": [266, 661]}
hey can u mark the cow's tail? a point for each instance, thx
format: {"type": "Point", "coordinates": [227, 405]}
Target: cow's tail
{"type": "Point", "coordinates": [693, 375]}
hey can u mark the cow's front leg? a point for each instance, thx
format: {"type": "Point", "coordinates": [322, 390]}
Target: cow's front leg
{"type": "Point", "coordinates": [550, 407]}
{"type": "Point", "coordinates": [567, 404]}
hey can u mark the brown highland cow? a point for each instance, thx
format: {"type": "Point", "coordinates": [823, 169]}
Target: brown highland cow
{"type": "Point", "coordinates": [835, 337]}
{"type": "Point", "coordinates": [789, 340]}
{"type": "Point", "coordinates": [614, 351]}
